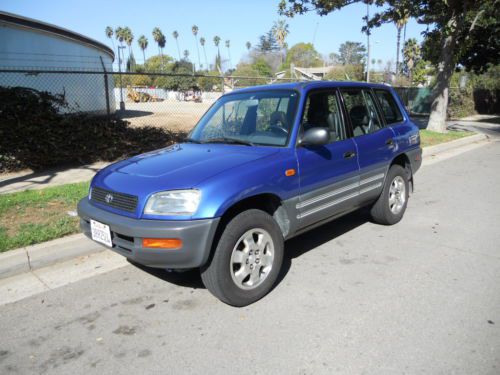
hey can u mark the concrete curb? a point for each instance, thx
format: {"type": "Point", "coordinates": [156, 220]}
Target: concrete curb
{"type": "Point", "coordinates": [30, 258]}
{"type": "Point", "coordinates": [433, 150]}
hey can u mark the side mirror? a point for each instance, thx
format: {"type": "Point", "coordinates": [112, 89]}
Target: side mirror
{"type": "Point", "coordinates": [315, 137]}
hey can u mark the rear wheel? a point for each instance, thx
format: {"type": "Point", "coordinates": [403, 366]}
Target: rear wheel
{"type": "Point", "coordinates": [391, 204]}
{"type": "Point", "coordinates": [247, 259]}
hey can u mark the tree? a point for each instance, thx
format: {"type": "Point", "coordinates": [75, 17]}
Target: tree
{"type": "Point", "coordinates": [186, 55]}
{"type": "Point", "coordinates": [346, 73]}
{"type": "Point", "coordinates": [400, 19]}
{"type": "Point", "coordinates": [459, 31]}
{"type": "Point", "coordinates": [412, 55]}
{"type": "Point", "coordinates": [175, 34]}
{"type": "Point", "coordinates": [228, 45]}
{"type": "Point", "coordinates": [334, 58]}
{"type": "Point", "coordinates": [161, 41]}
{"type": "Point", "coordinates": [109, 33]}
{"type": "Point", "coordinates": [143, 44]}
{"type": "Point", "coordinates": [120, 36]}
{"type": "Point", "coordinates": [217, 58]}
{"type": "Point", "coordinates": [248, 45]}
{"type": "Point", "coordinates": [181, 79]}
{"type": "Point", "coordinates": [154, 63]}
{"type": "Point", "coordinates": [202, 42]}
{"type": "Point", "coordinates": [267, 43]}
{"type": "Point", "coordinates": [129, 38]}
{"type": "Point", "coordinates": [352, 53]}
{"type": "Point", "coordinates": [280, 32]}
{"type": "Point", "coordinates": [303, 55]}
{"type": "Point", "coordinates": [195, 29]}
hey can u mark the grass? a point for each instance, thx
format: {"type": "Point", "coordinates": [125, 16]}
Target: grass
{"type": "Point", "coordinates": [34, 216]}
{"type": "Point", "coordinates": [430, 138]}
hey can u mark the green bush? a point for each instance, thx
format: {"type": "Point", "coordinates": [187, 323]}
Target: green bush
{"type": "Point", "coordinates": [460, 103]}
{"type": "Point", "coordinates": [35, 133]}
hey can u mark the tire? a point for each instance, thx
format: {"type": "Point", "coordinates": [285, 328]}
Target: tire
{"type": "Point", "coordinates": [250, 239]}
{"type": "Point", "coordinates": [391, 204]}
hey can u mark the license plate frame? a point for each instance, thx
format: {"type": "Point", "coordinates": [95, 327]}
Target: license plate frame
{"type": "Point", "coordinates": [101, 233]}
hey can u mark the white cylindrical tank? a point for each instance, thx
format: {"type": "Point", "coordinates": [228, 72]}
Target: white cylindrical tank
{"type": "Point", "coordinates": [31, 45]}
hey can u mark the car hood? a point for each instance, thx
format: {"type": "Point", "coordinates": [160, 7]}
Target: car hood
{"type": "Point", "coordinates": [181, 166]}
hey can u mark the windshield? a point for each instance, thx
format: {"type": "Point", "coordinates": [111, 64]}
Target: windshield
{"type": "Point", "coordinates": [253, 118]}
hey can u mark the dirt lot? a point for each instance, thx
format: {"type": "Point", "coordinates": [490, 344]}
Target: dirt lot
{"type": "Point", "coordinates": [171, 114]}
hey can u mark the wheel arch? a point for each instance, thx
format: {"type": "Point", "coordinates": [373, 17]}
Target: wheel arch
{"type": "Point", "coordinates": [404, 161]}
{"type": "Point", "coordinates": [267, 202]}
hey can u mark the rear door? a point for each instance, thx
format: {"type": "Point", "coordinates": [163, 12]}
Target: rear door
{"type": "Point", "coordinates": [375, 142]}
{"type": "Point", "coordinates": [328, 174]}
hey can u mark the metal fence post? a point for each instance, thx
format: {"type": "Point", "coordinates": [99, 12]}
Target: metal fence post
{"type": "Point", "coordinates": [106, 88]}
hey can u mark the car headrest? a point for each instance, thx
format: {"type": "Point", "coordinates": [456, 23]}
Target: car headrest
{"type": "Point", "coordinates": [359, 114]}
{"type": "Point", "coordinates": [278, 118]}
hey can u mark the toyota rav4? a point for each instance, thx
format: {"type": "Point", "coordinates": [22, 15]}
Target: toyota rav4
{"type": "Point", "coordinates": [262, 165]}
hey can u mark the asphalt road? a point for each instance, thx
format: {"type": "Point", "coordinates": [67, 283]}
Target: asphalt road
{"type": "Point", "coordinates": [419, 297]}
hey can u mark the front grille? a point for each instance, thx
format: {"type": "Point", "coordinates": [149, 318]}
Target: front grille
{"type": "Point", "coordinates": [121, 201]}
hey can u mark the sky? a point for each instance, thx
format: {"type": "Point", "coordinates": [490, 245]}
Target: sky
{"type": "Point", "coordinates": [236, 20]}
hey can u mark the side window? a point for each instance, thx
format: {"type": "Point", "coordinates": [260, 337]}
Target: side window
{"type": "Point", "coordinates": [389, 107]}
{"type": "Point", "coordinates": [362, 111]}
{"type": "Point", "coordinates": [322, 110]}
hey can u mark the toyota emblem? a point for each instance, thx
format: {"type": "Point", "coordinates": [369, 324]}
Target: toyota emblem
{"type": "Point", "coordinates": [108, 198]}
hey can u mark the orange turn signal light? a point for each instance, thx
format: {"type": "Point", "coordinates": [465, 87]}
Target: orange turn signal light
{"type": "Point", "coordinates": [290, 172]}
{"type": "Point", "coordinates": [162, 243]}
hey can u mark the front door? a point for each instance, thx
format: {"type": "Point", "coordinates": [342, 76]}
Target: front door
{"type": "Point", "coordinates": [328, 174]}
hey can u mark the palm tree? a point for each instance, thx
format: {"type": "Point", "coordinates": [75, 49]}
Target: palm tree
{"type": "Point", "coordinates": [400, 22]}
{"type": "Point", "coordinates": [143, 44]}
{"type": "Point", "coordinates": [109, 33]}
{"type": "Point", "coordinates": [202, 42]}
{"type": "Point", "coordinates": [280, 32]}
{"type": "Point", "coordinates": [186, 55]}
{"type": "Point", "coordinates": [161, 41]}
{"type": "Point", "coordinates": [120, 36]}
{"type": "Point", "coordinates": [228, 45]}
{"type": "Point", "coordinates": [195, 29]}
{"type": "Point", "coordinates": [175, 34]}
{"type": "Point", "coordinates": [128, 36]}
{"type": "Point", "coordinates": [216, 42]}
{"type": "Point", "coordinates": [248, 45]}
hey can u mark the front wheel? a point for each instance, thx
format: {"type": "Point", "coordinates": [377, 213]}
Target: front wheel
{"type": "Point", "coordinates": [247, 259]}
{"type": "Point", "coordinates": [391, 204]}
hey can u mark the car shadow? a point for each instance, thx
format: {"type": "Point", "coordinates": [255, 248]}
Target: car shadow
{"type": "Point", "coordinates": [294, 248]}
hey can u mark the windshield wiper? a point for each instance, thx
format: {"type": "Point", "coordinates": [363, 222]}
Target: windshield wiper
{"type": "Point", "coordinates": [228, 140]}
{"type": "Point", "coordinates": [191, 140]}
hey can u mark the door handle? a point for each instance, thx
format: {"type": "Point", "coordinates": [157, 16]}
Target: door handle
{"type": "Point", "coordinates": [390, 142]}
{"type": "Point", "coordinates": [349, 154]}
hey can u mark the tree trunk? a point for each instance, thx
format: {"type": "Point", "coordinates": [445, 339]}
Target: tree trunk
{"type": "Point", "coordinates": [398, 44]}
{"type": "Point", "coordinates": [437, 119]}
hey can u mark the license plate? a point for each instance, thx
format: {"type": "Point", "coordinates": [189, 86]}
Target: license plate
{"type": "Point", "coordinates": [101, 233]}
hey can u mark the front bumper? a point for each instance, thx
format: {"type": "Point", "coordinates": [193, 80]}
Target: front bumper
{"type": "Point", "coordinates": [127, 235]}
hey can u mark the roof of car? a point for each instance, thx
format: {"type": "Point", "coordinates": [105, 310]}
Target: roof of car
{"type": "Point", "coordinates": [309, 85]}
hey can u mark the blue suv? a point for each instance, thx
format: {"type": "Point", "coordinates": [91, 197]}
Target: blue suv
{"type": "Point", "coordinates": [262, 165]}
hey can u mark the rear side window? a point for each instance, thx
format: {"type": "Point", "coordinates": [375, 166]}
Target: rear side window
{"type": "Point", "coordinates": [389, 107]}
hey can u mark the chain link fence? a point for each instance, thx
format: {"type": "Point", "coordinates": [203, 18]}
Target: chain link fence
{"type": "Point", "coordinates": [171, 101]}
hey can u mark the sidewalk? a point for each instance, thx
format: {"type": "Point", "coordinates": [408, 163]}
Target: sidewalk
{"type": "Point", "coordinates": [26, 180]}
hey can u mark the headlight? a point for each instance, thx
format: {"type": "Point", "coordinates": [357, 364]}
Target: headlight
{"type": "Point", "coordinates": [173, 202]}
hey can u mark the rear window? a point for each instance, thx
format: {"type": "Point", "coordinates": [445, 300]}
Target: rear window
{"type": "Point", "coordinates": [389, 107]}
